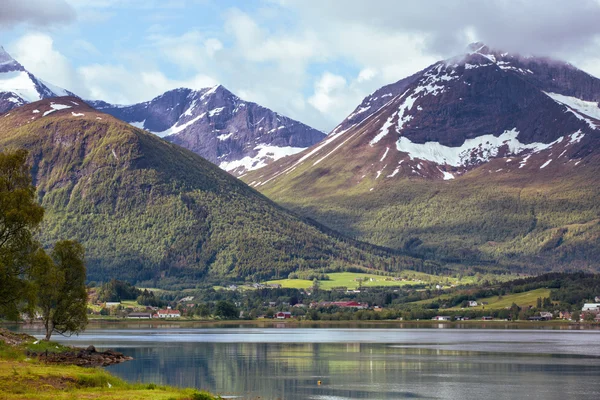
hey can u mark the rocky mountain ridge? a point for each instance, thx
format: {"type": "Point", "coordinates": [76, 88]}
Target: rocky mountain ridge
{"type": "Point", "coordinates": [236, 135]}
{"type": "Point", "coordinates": [19, 86]}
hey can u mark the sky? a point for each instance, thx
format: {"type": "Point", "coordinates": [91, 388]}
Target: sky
{"type": "Point", "coordinates": [312, 60]}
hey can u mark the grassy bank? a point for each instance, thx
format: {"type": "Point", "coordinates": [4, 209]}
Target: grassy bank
{"type": "Point", "coordinates": [22, 377]}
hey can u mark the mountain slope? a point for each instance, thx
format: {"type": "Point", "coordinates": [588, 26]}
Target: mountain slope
{"type": "Point", "coordinates": [18, 86]}
{"type": "Point", "coordinates": [150, 211]}
{"type": "Point", "coordinates": [488, 157]}
{"type": "Point", "coordinates": [236, 135]}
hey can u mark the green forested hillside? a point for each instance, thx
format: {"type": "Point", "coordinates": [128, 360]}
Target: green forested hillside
{"type": "Point", "coordinates": [150, 211]}
{"type": "Point", "coordinates": [524, 220]}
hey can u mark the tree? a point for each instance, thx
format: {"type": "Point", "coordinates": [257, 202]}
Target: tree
{"type": "Point", "coordinates": [19, 216]}
{"type": "Point", "coordinates": [62, 295]}
{"type": "Point", "coordinates": [226, 309]}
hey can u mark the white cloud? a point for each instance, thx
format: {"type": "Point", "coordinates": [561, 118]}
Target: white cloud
{"type": "Point", "coordinates": [366, 74]}
{"type": "Point", "coordinates": [327, 91]}
{"type": "Point", "coordinates": [37, 53]}
{"type": "Point", "coordinates": [113, 83]}
{"type": "Point", "coordinates": [277, 54]}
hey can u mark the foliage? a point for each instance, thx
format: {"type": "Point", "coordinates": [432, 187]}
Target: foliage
{"type": "Point", "coordinates": [226, 309]}
{"type": "Point", "coordinates": [155, 214]}
{"type": "Point", "coordinates": [528, 220]}
{"type": "Point", "coordinates": [117, 290]}
{"type": "Point", "coordinates": [62, 295]}
{"type": "Point", "coordinates": [19, 216]}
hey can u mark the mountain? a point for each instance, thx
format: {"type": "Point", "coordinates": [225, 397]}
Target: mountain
{"type": "Point", "coordinates": [18, 86]}
{"type": "Point", "coordinates": [150, 211]}
{"type": "Point", "coordinates": [487, 158]}
{"type": "Point", "coordinates": [234, 134]}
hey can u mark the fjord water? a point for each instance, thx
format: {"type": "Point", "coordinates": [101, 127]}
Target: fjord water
{"type": "Point", "coordinates": [287, 363]}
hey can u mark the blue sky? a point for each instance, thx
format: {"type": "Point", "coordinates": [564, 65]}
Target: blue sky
{"type": "Point", "coordinates": [311, 60]}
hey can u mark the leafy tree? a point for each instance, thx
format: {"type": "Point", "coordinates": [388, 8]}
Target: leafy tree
{"type": "Point", "coordinates": [62, 295]}
{"type": "Point", "coordinates": [203, 310]}
{"type": "Point", "coordinates": [576, 316]}
{"type": "Point", "coordinates": [19, 216]}
{"type": "Point", "coordinates": [226, 309]}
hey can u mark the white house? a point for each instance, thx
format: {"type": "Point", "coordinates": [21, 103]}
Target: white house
{"type": "Point", "coordinates": [441, 318]}
{"type": "Point", "coordinates": [471, 303]}
{"type": "Point", "coordinates": [168, 313]}
{"type": "Point", "coordinates": [591, 307]}
{"type": "Point", "coordinates": [546, 314]}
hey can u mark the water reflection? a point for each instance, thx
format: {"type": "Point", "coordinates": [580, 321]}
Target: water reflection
{"type": "Point", "coordinates": [361, 363]}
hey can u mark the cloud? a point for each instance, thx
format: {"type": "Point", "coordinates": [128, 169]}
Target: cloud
{"type": "Point", "coordinates": [41, 13]}
{"type": "Point", "coordinates": [327, 90]}
{"type": "Point", "coordinates": [190, 51]}
{"type": "Point", "coordinates": [37, 53]}
{"type": "Point", "coordinates": [311, 60]}
{"type": "Point", "coordinates": [113, 83]}
{"type": "Point", "coordinates": [337, 96]}
{"type": "Point", "coordinates": [530, 26]}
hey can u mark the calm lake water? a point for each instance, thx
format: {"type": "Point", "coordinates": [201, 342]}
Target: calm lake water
{"type": "Point", "coordinates": [353, 363]}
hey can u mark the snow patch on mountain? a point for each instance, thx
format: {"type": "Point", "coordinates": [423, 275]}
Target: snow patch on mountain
{"type": "Point", "coordinates": [265, 154]}
{"type": "Point", "coordinates": [178, 128]}
{"type": "Point", "coordinates": [225, 136]}
{"type": "Point", "coordinates": [387, 149]}
{"type": "Point", "coordinates": [215, 111]}
{"type": "Point", "coordinates": [473, 151]}
{"type": "Point", "coordinates": [138, 124]}
{"type": "Point", "coordinates": [19, 83]}
{"type": "Point", "coordinates": [579, 107]}
{"type": "Point", "coordinates": [55, 107]}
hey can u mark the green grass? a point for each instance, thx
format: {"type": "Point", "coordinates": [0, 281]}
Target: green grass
{"type": "Point", "coordinates": [349, 280]}
{"type": "Point", "coordinates": [22, 377]}
{"type": "Point", "coordinates": [29, 379]}
{"type": "Point", "coordinates": [521, 299]}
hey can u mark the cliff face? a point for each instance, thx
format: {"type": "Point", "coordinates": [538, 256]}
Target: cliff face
{"type": "Point", "coordinates": [236, 135]}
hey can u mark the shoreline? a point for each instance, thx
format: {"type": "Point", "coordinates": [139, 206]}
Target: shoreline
{"type": "Point", "coordinates": [273, 323]}
{"type": "Point", "coordinates": [24, 375]}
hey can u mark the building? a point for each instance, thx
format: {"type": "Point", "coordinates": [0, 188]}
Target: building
{"type": "Point", "coordinates": [471, 303]}
{"type": "Point", "coordinates": [112, 304]}
{"type": "Point", "coordinates": [442, 318]}
{"type": "Point", "coordinates": [168, 313]}
{"type": "Point", "coordinates": [283, 315]}
{"type": "Point", "coordinates": [564, 315]}
{"type": "Point", "coordinates": [591, 307]}
{"type": "Point", "coordinates": [547, 315]}
{"type": "Point", "coordinates": [487, 318]}
{"type": "Point", "coordinates": [139, 315]}
{"type": "Point", "coordinates": [341, 304]}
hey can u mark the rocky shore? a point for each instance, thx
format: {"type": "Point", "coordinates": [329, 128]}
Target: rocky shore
{"type": "Point", "coordinates": [88, 357]}
{"type": "Point", "coordinates": [82, 357]}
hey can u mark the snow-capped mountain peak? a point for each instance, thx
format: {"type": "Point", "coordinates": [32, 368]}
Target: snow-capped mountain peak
{"type": "Point", "coordinates": [7, 63]}
{"type": "Point", "coordinates": [18, 86]}
{"type": "Point", "coordinates": [460, 114]}
{"type": "Point", "coordinates": [235, 134]}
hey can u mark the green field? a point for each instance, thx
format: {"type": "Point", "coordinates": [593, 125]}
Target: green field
{"type": "Point", "coordinates": [521, 299]}
{"type": "Point", "coordinates": [349, 280]}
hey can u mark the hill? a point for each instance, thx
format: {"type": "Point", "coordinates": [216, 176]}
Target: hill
{"type": "Point", "coordinates": [150, 211]}
{"type": "Point", "coordinates": [236, 135]}
{"type": "Point", "coordinates": [487, 159]}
